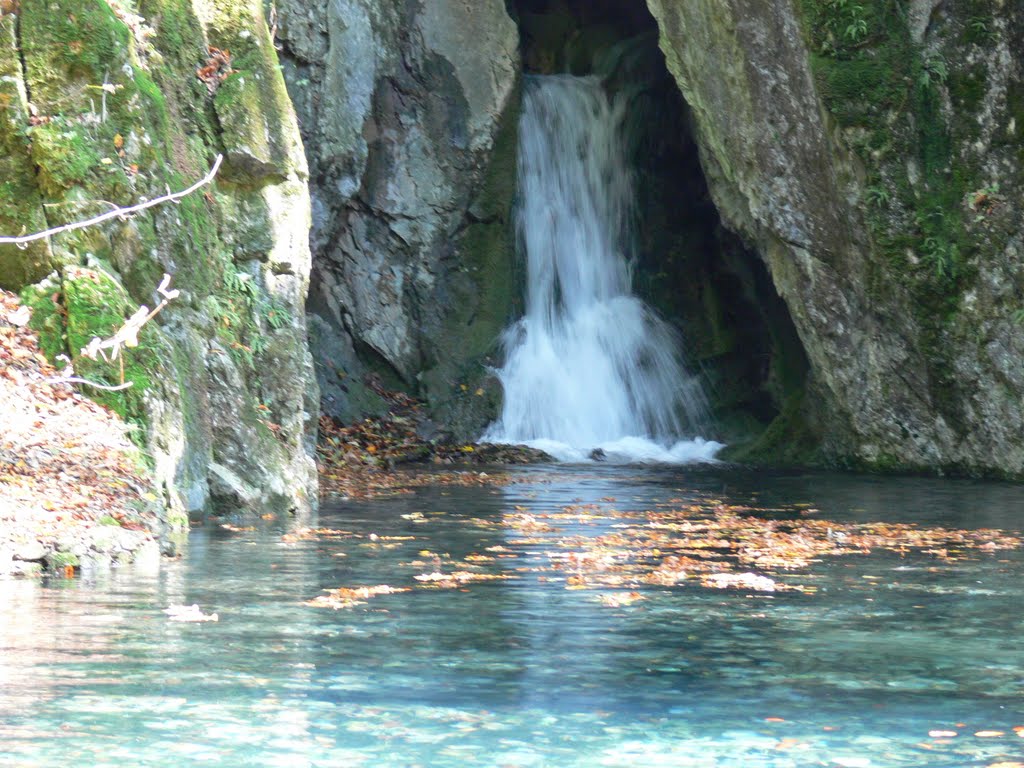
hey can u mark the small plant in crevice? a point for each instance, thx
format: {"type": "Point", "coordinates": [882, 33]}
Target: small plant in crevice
{"type": "Point", "coordinates": [933, 72]}
{"type": "Point", "coordinates": [277, 316]}
{"type": "Point", "coordinates": [984, 201]}
{"type": "Point", "coordinates": [939, 245]}
{"type": "Point", "coordinates": [240, 283]}
{"type": "Point", "coordinates": [877, 196]}
{"type": "Point", "coordinates": [856, 30]}
{"type": "Point", "coordinates": [225, 312]}
{"type": "Point", "coordinates": [980, 30]}
{"type": "Point", "coordinates": [943, 255]}
{"type": "Point", "coordinates": [845, 23]}
{"type": "Point", "coordinates": [246, 317]}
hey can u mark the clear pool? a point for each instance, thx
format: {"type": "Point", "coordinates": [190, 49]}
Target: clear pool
{"type": "Point", "coordinates": [522, 671]}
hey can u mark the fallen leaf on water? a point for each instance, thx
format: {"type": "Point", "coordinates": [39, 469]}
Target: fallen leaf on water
{"type": "Point", "coordinates": [347, 597]}
{"type": "Point", "coordinates": [617, 601]}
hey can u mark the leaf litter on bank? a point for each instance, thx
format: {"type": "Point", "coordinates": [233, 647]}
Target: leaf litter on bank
{"type": "Point", "coordinates": [66, 463]}
{"type": "Point", "coordinates": [364, 459]}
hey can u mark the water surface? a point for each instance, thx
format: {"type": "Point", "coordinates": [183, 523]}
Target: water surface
{"type": "Point", "coordinates": [522, 671]}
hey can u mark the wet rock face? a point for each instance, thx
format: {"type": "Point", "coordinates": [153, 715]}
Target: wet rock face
{"type": "Point", "coordinates": [867, 158]}
{"type": "Point", "coordinates": [401, 105]}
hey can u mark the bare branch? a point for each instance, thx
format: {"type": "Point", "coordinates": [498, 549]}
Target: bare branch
{"type": "Point", "coordinates": [128, 334]}
{"type": "Point", "coordinates": [77, 380]}
{"type": "Point", "coordinates": [170, 197]}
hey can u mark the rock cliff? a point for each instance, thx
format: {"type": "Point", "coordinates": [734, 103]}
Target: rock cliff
{"type": "Point", "coordinates": [409, 114]}
{"type": "Point", "coordinates": [862, 161]}
{"type": "Point", "coordinates": [106, 104]}
{"type": "Point", "coordinates": [871, 153]}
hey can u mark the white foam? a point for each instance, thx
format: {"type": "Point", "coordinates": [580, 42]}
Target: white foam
{"type": "Point", "coordinates": [632, 450]}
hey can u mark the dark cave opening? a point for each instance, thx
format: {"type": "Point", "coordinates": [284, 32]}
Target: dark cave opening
{"type": "Point", "coordinates": [695, 272]}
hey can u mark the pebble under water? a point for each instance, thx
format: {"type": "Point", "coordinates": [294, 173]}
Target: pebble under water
{"type": "Point", "coordinates": [889, 655]}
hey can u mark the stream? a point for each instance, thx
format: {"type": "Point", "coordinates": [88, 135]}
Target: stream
{"type": "Point", "coordinates": [522, 671]}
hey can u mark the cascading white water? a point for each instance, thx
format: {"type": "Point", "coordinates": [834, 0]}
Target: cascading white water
{"type": "Point", "coordinates": [589, 366]}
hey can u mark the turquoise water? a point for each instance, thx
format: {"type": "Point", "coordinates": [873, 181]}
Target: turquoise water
{"type": "Point", "coordinates": [522, 671]}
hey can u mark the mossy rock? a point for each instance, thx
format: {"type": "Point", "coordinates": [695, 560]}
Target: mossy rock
{"type": "Point", "coordinates": [44, 299]}
{"type": "Point", "coordinates": [58, 561]}
{"type": "Point", "coordinates": [252, 105]}
{"type": "Point", "coordinates": [65, 158]}
{"type": "Point", "coordinates": [790, 440]}
{"type": "Point", "coordinates": [71, 49]}
{"type": "Point", "coordinates": [21, 207]}
{"type": "Point", "coordinates": [253, 146]}
{"type": "Point", "coordinates": [480, 300]}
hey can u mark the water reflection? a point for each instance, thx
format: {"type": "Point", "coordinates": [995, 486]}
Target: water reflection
{"type": "Point", "coordinates": [522, 671]}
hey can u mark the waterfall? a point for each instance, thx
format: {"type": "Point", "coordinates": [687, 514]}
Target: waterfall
{"type": "Point", "coordinates": [589, 365]}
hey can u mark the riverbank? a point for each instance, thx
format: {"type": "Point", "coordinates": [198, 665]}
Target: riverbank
{"type": "Point", "coordinates": [74, 489]}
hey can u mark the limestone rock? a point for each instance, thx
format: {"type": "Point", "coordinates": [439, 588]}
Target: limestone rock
{"type": "Point", "coordinates": [29, 551]}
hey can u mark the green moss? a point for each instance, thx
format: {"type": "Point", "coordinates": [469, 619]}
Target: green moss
{"type": "Point", "coordinates": [483, 296]}
{"type": "Point", "coordinates": [1015, 114]}
{"type": "Point", "coordinates": [893, 90]}
{"type": "Point", "coordinates": [250, 127]}
{"type": "Point", "coordinates": [967, 90]}
{"type": "Point", "coordinates": [21, 209]}
{"type": "Point", "coordinates": [44, 298]}
{"type": "Point", "coordinates": [78, 40]}
{"type": "Point", "coordinates": [486, 252]}
{"type": "Point", "coordinates": [63, 156]}
{"type": "Point", "coordinates": [97, 306]}
{"type": "Point", "coordinates": [252, 105]}
{"type": "Point", "coordinates": [790, 440]}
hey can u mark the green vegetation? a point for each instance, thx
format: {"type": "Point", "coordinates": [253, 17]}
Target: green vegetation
{"type": "Point", "coordinates": [887, 94]}
{"type": "Point", "coordinates": [20, 204]}
{"type": "Point", "coordinates": [885, 88]}
{"type": "Point", "coordinates": [60, 560]}
{"type": "Point", "coordinates": [44, 298]}
{"type": "Point", "coordinates": [97, 306]}
{"type": "Point", "coordinates": [64, 156]}
{"type": "Point", "coordinates": [116, 120]}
